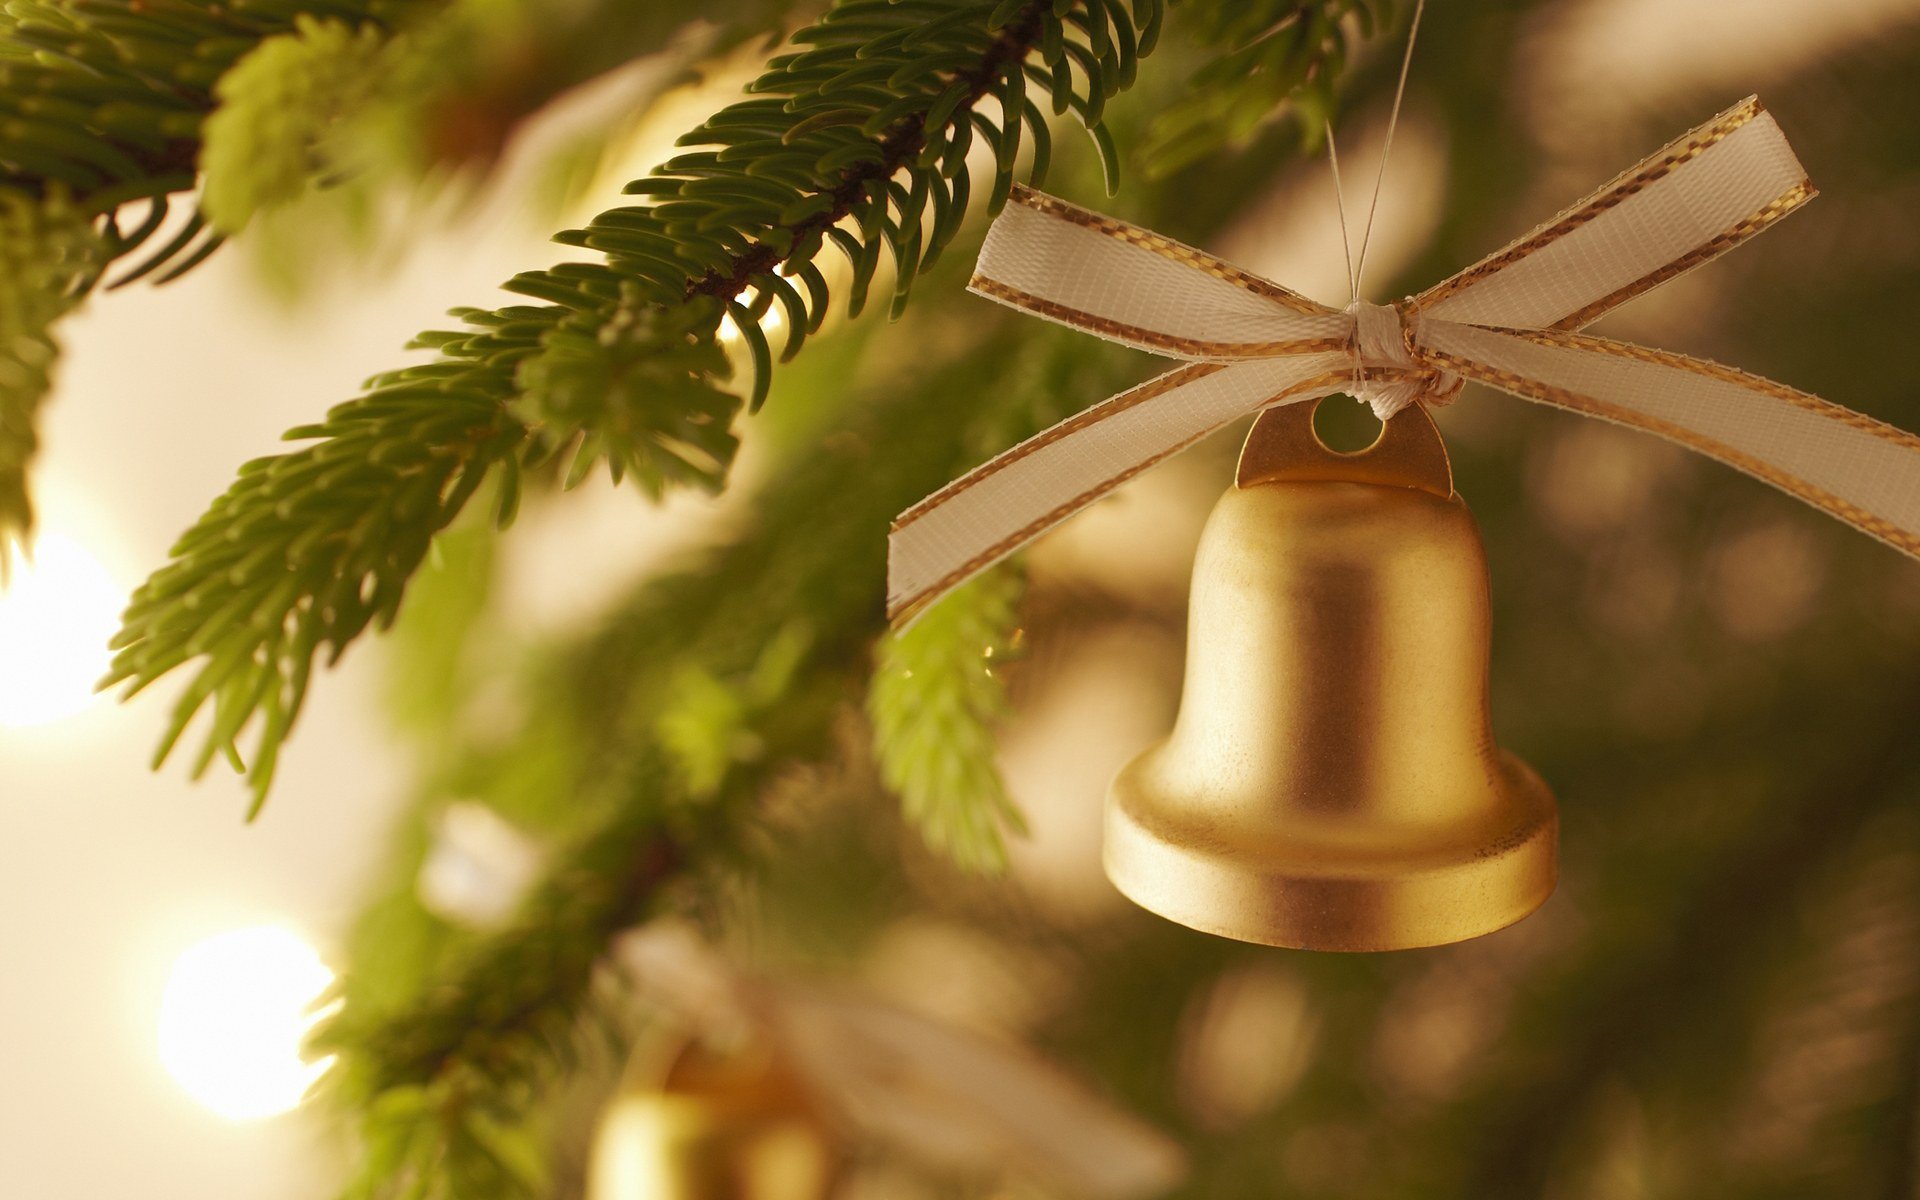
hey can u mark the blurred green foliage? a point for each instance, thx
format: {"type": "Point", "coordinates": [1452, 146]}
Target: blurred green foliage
{"type": "Point", "coordinates": [1269, 60]}
{"type": "Point", "coordinates": [1723, 999]}
{"type": "Point", "coordinates": [857, 141]}
{"type": "Point", "coordinates": [934, 704]}
{"type": "Point", "coordinates": [280, 110]}
{"type": "Point", "coordinates": [50, 253]}
{"type": "Point", "coordinates": [103, 102]}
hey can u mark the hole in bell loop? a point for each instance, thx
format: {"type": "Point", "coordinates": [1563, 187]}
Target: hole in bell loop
{"type": "Point", "coordinates": [1346, 426]}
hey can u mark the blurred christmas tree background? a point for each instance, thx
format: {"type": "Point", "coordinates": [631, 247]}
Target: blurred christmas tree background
{"type": "Point", "coordinates": [611, 714]}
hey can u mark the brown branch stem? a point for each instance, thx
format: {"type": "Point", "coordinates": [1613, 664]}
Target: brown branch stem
{"type": "Point", "coordinates": [897, 148]}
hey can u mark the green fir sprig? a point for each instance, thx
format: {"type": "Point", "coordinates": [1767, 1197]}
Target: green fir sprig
{"type": "Point", "coordinates": [1265, 59]}
{"type": "Point", "coordinates": [348, 110]}
{"type": "Point", "coordinates": [859, 140]}
{"type": "Point", "coordinates": [106, 98]}
{"type": "Point", "coordinates": [51, 251]}
{"type": "Point", "coordinates": [934, 702]}
{"type": "Point", "coordinates": [283, 110]}
{"type": "Point", "coordinates": [444, 1091]}
{"type": "Point", "coordinates": [449, 1060]}
{"type": "Point", "coordinates": [101, 105]}
{"type": "Point", "coordinates": [657, 736]}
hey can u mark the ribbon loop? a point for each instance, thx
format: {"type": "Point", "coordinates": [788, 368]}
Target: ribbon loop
{"type": "Point", "coordinates": [1130, 285]}
{"type": "Point", "coordinates": [1697, 197]}
{"type": "Point", "coordinates": [1508, 321]}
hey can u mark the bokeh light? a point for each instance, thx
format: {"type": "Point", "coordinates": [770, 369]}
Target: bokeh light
{"type": "Point", "coordinates": [232, 1019]}
{"type": "Point", "coordinates": [57, 612]}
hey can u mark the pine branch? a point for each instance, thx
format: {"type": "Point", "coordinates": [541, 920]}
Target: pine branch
{"type": "Point", "coordinates": [487, 66]}
{"type": "Point", "coordinates": [105, 100]}
{"type": "Point", "coordinates": [102, 103]}
{"type": "Point", "coordinates": [50, 252]}
{"type": "Point", "coordinates": [605, 742]}
{"type": "Point", "coordinates": [463, 1061]}
{"type": "Point", "coordinates": [934, 702]}
{"type": "Point", "coordinates": [860, 141]}
{"type": "Point", "coordinates": [444, 1089]}
{"type": "Point", "coordinates": [281, 110]}
{"type": "Point", "coordinates": [106, 103]}
{"type": "Point", "coordinates": [306, 550]}
{"type": "Point", "coordinates": [342, 109]}
{"type": "Point", "coordinates": [1268, 58]}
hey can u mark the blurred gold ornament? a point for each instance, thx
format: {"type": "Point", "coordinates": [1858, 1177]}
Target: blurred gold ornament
{"type": "Point", "coordinates": [717, 1126]}
{"type": "Point", "coordinates": [1332, 782]}
{"type": "Point", "coordinates": [826, 1074]}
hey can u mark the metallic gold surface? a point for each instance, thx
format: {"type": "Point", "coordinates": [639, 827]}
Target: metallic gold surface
{"type": "Point", "coordinates": [732, 1127]}
{"type": "Point", "coordinates": [1332, 781]}
{"type": "Point", "coordinates": [1282, 447]}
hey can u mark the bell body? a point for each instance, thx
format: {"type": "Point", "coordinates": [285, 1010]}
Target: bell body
{"type": "Point", "coordinates": [1332, 782]}
{"type": "Point", "coordinates": [732, 1127]}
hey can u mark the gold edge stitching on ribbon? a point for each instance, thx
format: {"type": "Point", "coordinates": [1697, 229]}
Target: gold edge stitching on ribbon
{"type": "Point", "coordinates": [1112, 406]}
{"type": "Point", "coordinates": [1894, 535]}
{"type": "Point", "coordinates": [1568, 340]}
{"type": "Point", "coordinates": [1755, 222]}
{"type": "Point", "coordinates": [1166, 248]}
{"type": "Point", "coordinates": [1664, 162]}
{"type": "Point", "coordinates": [1013, 541]}
{"type": "Point", "coordinates": [1150, 390]}
{"type": "Point", "coordinates": [986, 285]}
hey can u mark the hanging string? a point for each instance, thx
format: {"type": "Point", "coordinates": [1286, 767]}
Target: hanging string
{"type": "Point", "coordinates": [1340, 206]}
{"type": "Point", "coordinates": [1386, 151]}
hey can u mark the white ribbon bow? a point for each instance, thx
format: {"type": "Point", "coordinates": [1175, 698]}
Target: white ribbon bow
{"type": "Point", "coordinates": [1508, 321]}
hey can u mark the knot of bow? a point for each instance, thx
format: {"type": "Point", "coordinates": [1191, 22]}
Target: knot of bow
{"type": "Point", "coordinates": [1387, 372]}
{"type": "Point", "coordinates": [1510, 321]}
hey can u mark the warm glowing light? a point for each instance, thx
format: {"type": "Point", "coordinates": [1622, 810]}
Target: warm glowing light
{"type": "Point", "coordinates": [233, 1016]}
{"type": "Point", "coordinates": [56, 614]}
{"type": "Point", "coordinates": [772, 321]}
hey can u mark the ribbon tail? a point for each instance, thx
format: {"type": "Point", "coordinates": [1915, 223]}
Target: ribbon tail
{"type": "Point", "coordinates": [997, 508]}
{"type": "Point", "coordinates": [1860, 470]}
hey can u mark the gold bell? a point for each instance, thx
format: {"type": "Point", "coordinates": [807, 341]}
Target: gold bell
{"type": "Point", "coordinates": [732, 1126]}
{"type": "Point", "coordinates": [1332, 781]}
